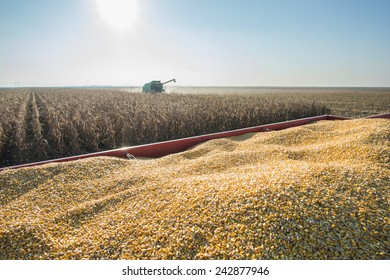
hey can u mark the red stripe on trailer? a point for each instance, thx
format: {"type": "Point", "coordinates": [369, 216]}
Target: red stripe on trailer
{"type": "Point", "coordinates": [160, 149]}
{"type": "Point", "coordinates": [380, 116]}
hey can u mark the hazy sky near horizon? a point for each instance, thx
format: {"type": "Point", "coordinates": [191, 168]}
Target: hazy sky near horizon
{"type": "Point", "coordinates": [200, 43]}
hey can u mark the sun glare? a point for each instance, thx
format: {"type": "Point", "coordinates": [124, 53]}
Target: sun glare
{"type": "Point", "coordinates": [120, 14]}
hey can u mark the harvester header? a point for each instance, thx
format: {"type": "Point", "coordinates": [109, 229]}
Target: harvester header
{"type": "Point", "coordinates": [156, 86]}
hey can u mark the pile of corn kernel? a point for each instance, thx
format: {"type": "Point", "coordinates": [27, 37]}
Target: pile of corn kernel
{"type": "Point", "coordinates": [319, 191]}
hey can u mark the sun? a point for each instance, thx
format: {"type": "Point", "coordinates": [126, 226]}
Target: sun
{"type": "Point", "coordinates": [120, 14]}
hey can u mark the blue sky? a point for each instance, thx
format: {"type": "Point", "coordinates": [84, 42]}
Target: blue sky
{"type": "Point", "coordinates": [200, 43]}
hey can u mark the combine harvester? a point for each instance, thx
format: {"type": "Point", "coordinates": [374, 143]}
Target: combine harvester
{"type": "Point", "coordinates": [156, 86]}
{"type": "Point", "coordinates": [160, 149]}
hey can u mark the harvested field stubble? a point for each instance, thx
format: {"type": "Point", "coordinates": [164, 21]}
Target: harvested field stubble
{"type": "Point", "coordinates": [319, 191]}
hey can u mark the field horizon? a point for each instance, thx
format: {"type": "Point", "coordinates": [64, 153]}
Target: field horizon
{"type": "Point", "coordinates": [186, 87]}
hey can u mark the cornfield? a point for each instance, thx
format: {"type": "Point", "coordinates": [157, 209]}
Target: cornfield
{"type": "Point", "coordinates": [46, 123]}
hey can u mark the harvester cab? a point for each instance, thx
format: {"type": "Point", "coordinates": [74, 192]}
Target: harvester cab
{"type": "Point", "coordinates": [156, 86]}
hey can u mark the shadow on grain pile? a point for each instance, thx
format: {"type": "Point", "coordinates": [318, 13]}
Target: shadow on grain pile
{"type": "Point", "coordinates": [319, 191]}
